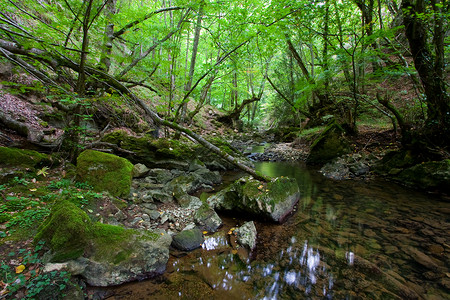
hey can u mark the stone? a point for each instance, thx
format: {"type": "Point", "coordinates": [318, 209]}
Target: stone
{"type": "Point", "coordinates": [421, 258]}
{"type": "Point", "coordinates": [188, 240]}
{"type": "Point", "coordinates": [140, 170]}
{"type": "Point", "coordinates": [160, 196]}
{"type": "Point", "coordinates": [105, 172]}
{"type": "Point", "coordinates": [207, 219]}
{"type": "Point", "coordinates": [102, 254]}
{"type": "Point", "coordinates": [188, 201]}
{"type": "Point", "coordinates": [273, 200]}
{"type": "Point", "coordinates": [428, 175]}
{"type": "Point", "coordinates": [161, 176]}
{"type": "Point", "coordinates": [246, 235]}
{"type": "Point", "coordinates": [191, 182]}
{"type": "Point", "coordinates": [329, 145]}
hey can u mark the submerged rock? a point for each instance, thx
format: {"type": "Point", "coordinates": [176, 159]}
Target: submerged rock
{"type": "Point", "coordinates": [105, 172]}
{"type": "Point", "coordinates": [246, 235]}
{"type": "Point", "coordinates": [188, 240]}
{"type": "Point", "coordinates": [102, 254]}
{"type": "Point", "coordinates": [273, 200]}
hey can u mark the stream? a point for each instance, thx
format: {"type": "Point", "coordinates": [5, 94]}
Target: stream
{"type": "Point", "coordinates": [346, 240]}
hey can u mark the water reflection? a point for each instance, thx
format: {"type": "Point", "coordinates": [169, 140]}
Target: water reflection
{"type": "Point", "coordinates": [302, 270]}
{"type": "Point", "coordinates": [347, 240]}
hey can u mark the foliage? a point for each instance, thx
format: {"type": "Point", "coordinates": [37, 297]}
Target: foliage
{"type": "Point", "coordinates": [28, 278]}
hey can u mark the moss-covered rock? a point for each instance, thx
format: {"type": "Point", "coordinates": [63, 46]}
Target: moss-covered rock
{"type": "Point", "coordinates": [66, 231]}
{"type": "Point", "coordinates": [395, 161]}
{"type": "Point", "coordinates": [103, 254]}
{"type": "Point", "coordinates": [22, 158]}
{"type": "Point", "coordinates": [147, 149]}
{"type": "Point", "coordinates": [329, 145]}
{"type": "Point", "coordinates": [273, 200]}
{"type": "Point", "coordinates": [432, 175]}
{"type": "Point", "coordinates": [188, 240]}
{"type": "Point", "coordinates": [105, 172]}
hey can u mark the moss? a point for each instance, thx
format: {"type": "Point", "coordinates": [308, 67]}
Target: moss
{"type": "Point", "coordinates": [70, 233]}
{"type": "Point", "coordinates": [105, 172]}
{"type": "Point", "coordinates": [147, 149]}
{"type": "Point", "coordinates": [330, 144]}
{"type": "Point", "coordinates": [24, 158]}
{"type": "Point", "coordinates": [66, 231]}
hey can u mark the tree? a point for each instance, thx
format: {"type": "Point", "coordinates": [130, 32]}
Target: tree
{"type": "Point", "coordinates": [430, 64]}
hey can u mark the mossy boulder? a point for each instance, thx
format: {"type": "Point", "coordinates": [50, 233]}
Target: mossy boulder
{"type": "Point", "coordinates": [273, 200]}
{"type": "Point", "coordinates": [330, 144]}
{"type": "Point", "coordinates": [66, 231]}
{"type": "Point", "coordinates": [432, 175]}
{"type": "Point", "coordinates": [103, 254]}
{"type": "Point", "coordinates": [105, 172]}
{"type": "Point", "coordinates": [14, 157]}
{"type": "Point", "coordinates": [395, 161]}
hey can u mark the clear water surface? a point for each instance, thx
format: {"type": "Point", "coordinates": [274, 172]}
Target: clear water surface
{"type": "Point", "coordinates": [346, 240]}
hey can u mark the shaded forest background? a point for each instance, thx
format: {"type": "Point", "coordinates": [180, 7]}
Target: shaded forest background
{"type": "Point", "coordinates": [264, 64]}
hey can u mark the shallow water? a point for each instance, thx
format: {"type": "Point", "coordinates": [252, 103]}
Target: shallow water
{"type": "Point", "coordinates": [346, 240]}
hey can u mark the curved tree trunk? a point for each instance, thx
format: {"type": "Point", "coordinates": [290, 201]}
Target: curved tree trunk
{"type": "Point", "coordinates": [430, 68]}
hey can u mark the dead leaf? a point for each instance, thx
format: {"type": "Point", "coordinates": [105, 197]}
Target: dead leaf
{"type": "Point", "coordinates": [20, 269]}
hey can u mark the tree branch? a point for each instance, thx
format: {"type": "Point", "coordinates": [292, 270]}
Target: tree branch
{"type": "Point", "coordinates": [148, 16]}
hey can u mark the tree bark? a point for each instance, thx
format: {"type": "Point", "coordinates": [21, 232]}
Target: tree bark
{"type": "Point", "coordinates": [430, 69]}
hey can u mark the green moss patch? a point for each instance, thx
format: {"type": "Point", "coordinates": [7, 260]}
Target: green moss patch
{"type": "Point", "coordinates": [67, 231]}
{"type": "Point", "coordinates": [105, 172]}
{"type": "Point", "coordinates": [147, 149]}
{"type": "Point", "coordinates": [329, 145]}
{"type": "Point", "coordinates": [70, 233]}
{"type": "Point", "coordinates": [23, 158]}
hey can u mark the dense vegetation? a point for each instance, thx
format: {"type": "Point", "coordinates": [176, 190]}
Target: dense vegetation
{"type": "Point", "coordinates": [266, 63]}
{"type": "Point", "coordinates": [161, 71]}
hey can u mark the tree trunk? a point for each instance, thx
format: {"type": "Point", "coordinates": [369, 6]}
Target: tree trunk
{"type": "Point", "coordinates": [105, 60]}
{"type": "Point", "coordinates": [187, 87]}
{"type": "Point", "coordinates": [430, 68]}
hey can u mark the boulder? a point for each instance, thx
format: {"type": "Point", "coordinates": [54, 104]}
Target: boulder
{"type": "Point", "coordinates": [329, 145]}
{"type": "Point", "coordinates": [207, 219]}
{"type": "Point", "coordinates": [191, 182]}
{"type": "Point", "coordinates": [246, 235]}
{"type": "Point", "coordinates": [102, 254]}
{"type": "Point", "coordinates": [428, 175]}
{"type": "Point", "coordinates": [273, 200]}
{"type": "Point", "coordinates": [105, 172]}
{"type": "Point", "coordinates": [188, 240]}
{"type": "Point", "coordinates": [346, 167]}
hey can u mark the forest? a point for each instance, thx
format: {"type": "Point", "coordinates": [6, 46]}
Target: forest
{"type": "Point", "coordinates": [300, 148]}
